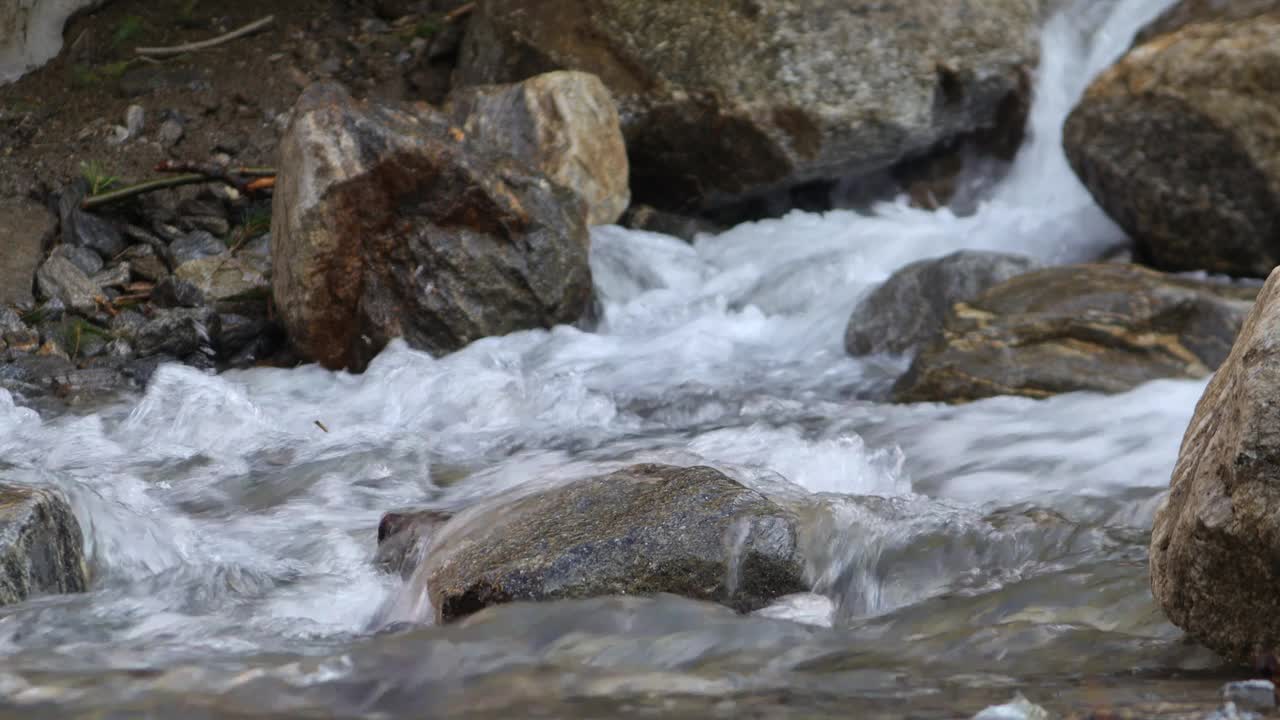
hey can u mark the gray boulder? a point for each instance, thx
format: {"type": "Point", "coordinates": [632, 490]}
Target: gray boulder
{"type": "Point", "coordinates": [1216, 535]}
{"type": "Point", "coordinates": [723, 101]}
{"type": "Point", "coordinates": [387, 223]}
{"type": "Point", "coordinates": [27, 228]}
{"type": "Point", "coordinates": [909, 308]}
{"type": "Point", "coordinates": [641, 530]}
{"type": "Point", "coordinates": [58, 278]}
{"type": "Point", "coordinates": [41, 548]}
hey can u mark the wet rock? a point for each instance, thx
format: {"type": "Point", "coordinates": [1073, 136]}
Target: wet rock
{"type": "Point", "coordinates": [403, 536]}
{"type": "Point", "coordinates": [87, 230]}
{"type": "Point", "coordinates": [1105, 327]}
{"type": "Point", "coordinates": [385, 225]}
{"type": "Point", "coordinates": [724, 101]}
{"type": "Point", "coordinates": [564, 124]}
{"type": "Point", "coordinates": [642, 530]}
{"type": "Point", "coordinates": [117, 275]}
{"type": "Point", "coordinates": [178, 332]}
{"type": "Point", "coordinates": [1183, 13]}
{"type": "Point", "coordinates": [1177, 143]}
{"type": "Point", "coordinates": [910, 307]}
{"type": "Point", "coordinates": [87, 260]}
{"type": "Point", "coordinates": [59, 279]}
{"type": "Point", "coordinates": [171, 292]}
{"type": "Point", "coordinates": [1251, 694]}
{"type": "Point", "coordinates": [227, 276]}
{"type": "Point", "coordinates": [1216, 536]}
{"type": "Point", "coordinates": [685, 227]}
{"type": "Point", "coordinates": [195, 245]}
{"type": "Point", "coordinates": [41, 548]}
{"type": "Point", "coordinates": [27, 228]}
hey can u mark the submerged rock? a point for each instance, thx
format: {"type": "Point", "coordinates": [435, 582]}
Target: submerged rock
{"type": "Point", "coordinates": [910, 307]}
{"type": "Point", "coordinates": [641, 530]}
{"type": "Point", "coordinates": [41, 548]}
{"type": "Point", "coordinates": [1105, 327]}
{"type": "Point", "coordinates": [1177, 141]}
{"type": "Point", "coordinates": [725, 101]}
{"type": "Point", "coordinates": [1216, 536]}
{"type": "Point", "coordinates": [564, 124]}
{"type": "Point", "coordinates": [387, 224]}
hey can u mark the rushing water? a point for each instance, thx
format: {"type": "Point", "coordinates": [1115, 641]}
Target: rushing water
{"type": "Point", "coordinates": [957, 553]}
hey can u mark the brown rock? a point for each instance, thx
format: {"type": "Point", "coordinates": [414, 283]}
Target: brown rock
{"type": "Point", "coordinates": [1216, 537]}
{"type": "Point", "coordinates": [386, 223]}
{"type": "Point", "coordinates": [1180, 142]}
{"type": "Point", "coordinates": [1105, 327]}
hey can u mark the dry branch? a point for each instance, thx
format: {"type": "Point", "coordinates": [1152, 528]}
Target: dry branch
{"type": "Point", "coordinates": [252, 27]}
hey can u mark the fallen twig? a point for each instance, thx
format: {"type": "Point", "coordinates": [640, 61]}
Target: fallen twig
{"type": "Point", "coordinates": [252, 27]}
{"type": "Point", "coordinates": [244, 179]}
{"type": "Point", "coordinates": [149, 186]}
{"type": "Point", "coordinates": [459, 12]}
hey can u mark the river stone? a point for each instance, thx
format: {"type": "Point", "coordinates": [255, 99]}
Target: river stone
{"type": "Point", "coordinates": [226, 276]}
{"type": "Point", "coordinates": [386, 223]}
{"type": "Point", "coordinates": [58, 278]}
{"type": "Point", "coordinates": [563, 123]}
{"type": "Point", "coordinates": [1103, 327]}
{"type": "Point", "coordinates": [1216, 535]}
{"type": "Point", "coordinates": [723, 101]}
{"type": "Point", "coordinates": [86, 230]}
{"type": "Point", "coordinates": [1183, 13]}
{"type": "Point", "coordinates": [909, 308]}
{"type": "Point", "coordinates": [87, 260]}
{"type": "Point", "coordinates": [641, 530]}
{"type": "Point", "coordinates": [27, 227]}
{"type": "Point", "coordinates": [1178, 143]}
{"type": "Point", "coordinates": [178, 332]}
{"type": "Point", "coordinates": [195, 245]}
{"type": "Point", "coordinates": [41, 549]}
{"type": "Point", "coordinates": [403, 536]}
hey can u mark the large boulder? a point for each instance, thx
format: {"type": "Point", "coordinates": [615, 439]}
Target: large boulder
{"type": "Point", "coordinates": [909, 308]}
{"type": "Point", "coordinates": [641, 530]}
{"type": "Point", "coordinates": [41, 548]}
{"type": "Point", "coordinates": [1105, 327]}
{"type": "Point", "coordinates": [1183, 13]}
{"type": "Point", "coordinates": [726, 100]}
{"type": "Point", "coordinates": [1216, 536]}
{"type": "Point", "coordinates": [565, 124]}
{"type": "Point", "coordinates": [28, 228]}
{"type": "Point", "coordinates": [1178, 141]}
{"type": "Point", "coordinates": [387, 222]}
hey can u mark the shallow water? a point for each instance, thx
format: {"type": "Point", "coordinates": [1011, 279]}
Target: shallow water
{"type": "Point", "coordinates": [957, 553]}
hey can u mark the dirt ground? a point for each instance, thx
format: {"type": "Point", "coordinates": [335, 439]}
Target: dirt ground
{"type": "Point", "coordinates": [59, 122]}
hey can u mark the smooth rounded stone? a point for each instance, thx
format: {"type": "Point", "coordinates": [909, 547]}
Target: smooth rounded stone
{"type": "Point", "coordinates": [565, 124]}
{"type": "Point", "coordinates": [1251, 694]}
{"type": "Point", "coordinates": [724, 101]}
{"type": "Point", "coordinates": [1177, 142]}
{"type": "Point", "coordinates": [386, 223]}
{"type": "Point", "coordinates": [41, 548]}
{"type": "Point", "coordinates": [28, 227]}
{"type": "Point", "coordinates": [642, 530]}
{"type": "Point", "coordinates": [87, 260]}
{"type": "Point", "coordinates": [227, 276]}
{"type": "Point", "coordinates": [58, 278]}
{"type": "Point", "coordinates": [909, 308]}
{"type": "Point", "coordinates": [195, 245]}
{"type": "Point", "coordinates": [178, 332]}
{"type": "Point", "coordinates": [403, 536]}
{"type": "Point", "coordinates": [84, 229]}
{"type": "Point", "coordinates": [1102, 327]}
{"type": "Point", "coordinates": [1215, 537]}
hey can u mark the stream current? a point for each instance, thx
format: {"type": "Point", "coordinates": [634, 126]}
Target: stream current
{"type": "Point", "coordinates": [958, 553]}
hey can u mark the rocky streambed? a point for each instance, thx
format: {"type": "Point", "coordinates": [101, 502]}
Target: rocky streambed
{"type": "Point", "coordinates": [528, 387]}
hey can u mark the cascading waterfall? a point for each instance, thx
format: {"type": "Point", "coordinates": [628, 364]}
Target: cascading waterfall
{"type": "Point", "coordinates": [230, 538]}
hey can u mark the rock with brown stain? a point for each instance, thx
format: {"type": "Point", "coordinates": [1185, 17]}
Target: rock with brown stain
{"type": "Point", "coordinates": [645, 529]}
{"type": "Point", "coordinates": [41, 548]}
{"type": "Point", "coordinates": [563, 123]}
{"type": "Point", "coordinates": [728, 100]}
{"type": "Point", "coordinates": [1104, 327]}
{"type": "Point", "coordinates": [1216, 537]}
{"type": "Point", "coordinates": [389, 222]}
{"type": "Point", "coordinates": [1180, 140]}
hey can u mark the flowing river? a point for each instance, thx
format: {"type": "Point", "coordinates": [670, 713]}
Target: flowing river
{"type": "Point", "coordinates": [958, 554]}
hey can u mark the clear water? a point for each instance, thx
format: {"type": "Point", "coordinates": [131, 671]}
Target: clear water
{"type": "Point", "coordinates": [957, 553]}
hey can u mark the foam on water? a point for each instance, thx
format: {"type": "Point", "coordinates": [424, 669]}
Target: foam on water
{"type": "Point", "coordinates": [222, 519]}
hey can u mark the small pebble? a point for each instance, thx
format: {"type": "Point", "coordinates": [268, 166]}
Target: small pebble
{"type": "Point", "coordinates": [135, 119]}
{"type": "Point", "coordinates": [170, 133]}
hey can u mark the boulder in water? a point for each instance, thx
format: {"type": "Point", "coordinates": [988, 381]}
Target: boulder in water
{"type": "Point", "coordinates": [1178, 140]}
{"type": "Point", "coordinates": [641, 530]}
{"type": "Point", "coordinates": [723, 101]}
{"type": "Point", "coordinates": [1104, 327]}
{"type": "Point", "coordinates": [1216, 536]}
{"type": "Point", "coordinates": [41, 548]}
{"type": "Point", "coordinates": [909, 308]}
{"type": "Point", "coordinates": [403, 536]}
{"type": "Point", "coordinates": [387, 223]}
{"type": "Point", "coordinates": [565, 124]}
